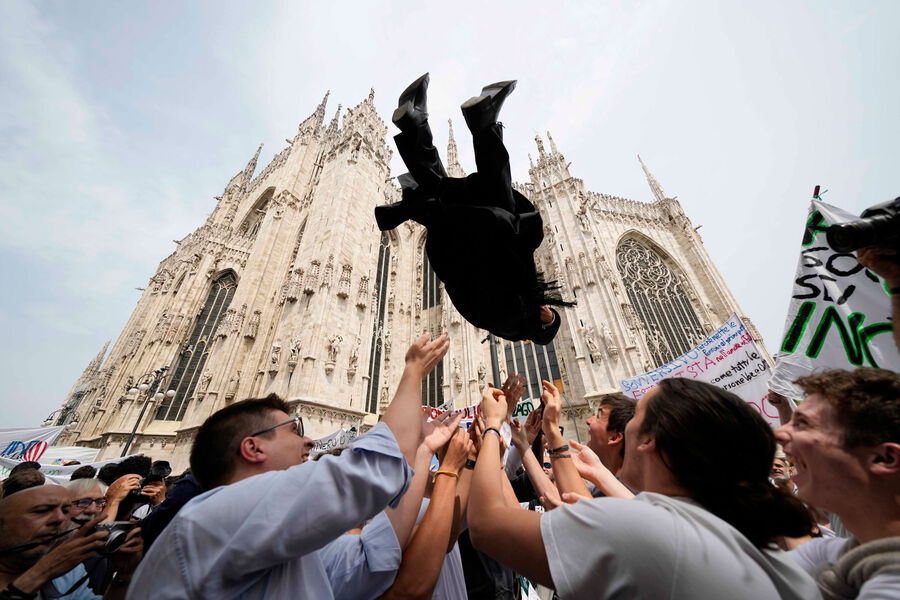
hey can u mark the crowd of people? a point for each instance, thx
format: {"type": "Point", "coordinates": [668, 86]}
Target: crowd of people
{"type": "Point", "coordinates": [685, 493]}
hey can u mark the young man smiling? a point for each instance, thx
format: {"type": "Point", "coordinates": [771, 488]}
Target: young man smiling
{"type": "Point", "coordinates": [844, 440]}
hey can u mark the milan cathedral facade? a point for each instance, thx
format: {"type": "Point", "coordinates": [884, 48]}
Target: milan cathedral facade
{"type": "Point", "coordinates": [289, 287]}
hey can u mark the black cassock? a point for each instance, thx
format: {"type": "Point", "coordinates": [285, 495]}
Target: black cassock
{"type": "Point", "coordinates": [481, 237]}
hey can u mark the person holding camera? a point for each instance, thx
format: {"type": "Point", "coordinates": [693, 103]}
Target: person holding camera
{"type": "Point", "coordinates": [41, 554]}
{"type": "Point", "coordinates": [885, 262]}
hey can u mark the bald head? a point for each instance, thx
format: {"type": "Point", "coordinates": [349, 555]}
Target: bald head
{"type": "Point", "coordinates": [32, 516]}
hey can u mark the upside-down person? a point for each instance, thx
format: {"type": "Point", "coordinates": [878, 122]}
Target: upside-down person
{"type": "Point", "coordinates": [479, 228]}
{"type": "Point", "coordinates": [704, 526]}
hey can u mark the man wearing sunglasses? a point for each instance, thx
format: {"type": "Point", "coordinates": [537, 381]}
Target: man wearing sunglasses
{"type": "Point", "coordinates": [267, 511]}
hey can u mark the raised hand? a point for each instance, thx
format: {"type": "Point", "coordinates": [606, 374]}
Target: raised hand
{"type": "Point", "coordinates": [519, 435]}
{"type": "Point", "coordinates": [882, 261]}
{"type": "Point", "coordinates": [493, 407]}
{"type": "Point", "coordinates": [457, 452]}
{"type": "Point", "coordinates": [586, 461]}
{"type": "Point", "coordinates": [423, 355]}
{"type": "Point", "coordinates": [119, 489]}
{"type": "Point", "coordinates": [80, 546]}
{"type": "Point", "coordinates": [435, 433]}
{"type": "Point", "coordinates": [533, 425]}
{"type": "Point", "coordinates": [552, 410]}
{"type": "Point", "coordinates": [512, 389]}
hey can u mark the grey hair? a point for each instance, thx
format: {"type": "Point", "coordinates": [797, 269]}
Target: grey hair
{"type": "Point", "coordinates": [81, 486]}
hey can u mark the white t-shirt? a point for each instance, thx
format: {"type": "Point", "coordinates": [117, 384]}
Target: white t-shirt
{"type": "Point", "coordinates": [451, 584]}
{"type": "Point", "coordinates": [827, 550]}
{"type": "Point", "coordinates": [654, 546]}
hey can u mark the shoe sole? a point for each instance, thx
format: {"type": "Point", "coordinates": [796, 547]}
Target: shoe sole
{"type": "Point", "coordinates": [409, 93]}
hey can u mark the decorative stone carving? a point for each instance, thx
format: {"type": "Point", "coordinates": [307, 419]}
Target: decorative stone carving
{"type": "Point", "coordinates": [274, 358]}
{"type": "Point", "coordinates": [587, 273]}
{"type": "Point", "coordinates": [457, 376]}
{"type": "Point", "coordinates": [226, 326]}
{"type": "Point", "coordinates": [362, 294]}
{"type": "Point", "coordinates": [233, 384]}
{"type": "Point", "coordinates": [482, 374]}
{"type": "Point", "coordinates": [204, 381]}
{"type": "Point", "coordinates": [353, 361]}
{"type": "Point", "coordinates": [390, 303]}
{"type": "Point", "coordinates": [238, 321]}
{"type": "Point", "coordinates": [383, 399]}
{"type": "Point", "coordinates": [329, 272]}
{"type": "Point", "coordinates": [387, 345]}
{"type": "Point", "coordinates": [253, 325]}
{"type": "Point", "coordinates": [344, 283]}
{"type": "Point", "coordinates": [292, 286]}
{"type": "Point", "coordinates": [312, 277]}
{"type": "Point", "coordinates": [591, 343]}
{"type": "Point", "coordinates": [571, 274]}
{"type": "Point", "coordinates": [583, 220]}
{"type": "Point", "coordinates": [334, 348]}
{"type": "Point", "coordinates": [549, 235]}
{"type": "Point", "coordinates": [610, 342]}
{"type": "Point", "coordinates": [294, 354]}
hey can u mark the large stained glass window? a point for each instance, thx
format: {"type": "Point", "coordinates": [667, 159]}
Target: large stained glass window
{"type": "Point", "coordinates": [192, 360]}
{"type": "Point", "coordinates": [656, 289]}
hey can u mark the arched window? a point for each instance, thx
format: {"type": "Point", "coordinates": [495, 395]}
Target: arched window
{"type": "Point", "coordinates": [253, 220]}
{"type": "Point", "coordinates": [190, 364]}
{"type": "Point", "coordinates": [656, 289]}
{"type": "Point", "coordinates": [178, 285]}
{"type": "Point", "coordinates": [381, 289]}
{"type": "Point", "coordinates": [433, 385]}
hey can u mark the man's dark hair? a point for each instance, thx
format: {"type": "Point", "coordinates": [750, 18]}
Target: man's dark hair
{"type": "Point", "coordinates": [22, 480]}
{"type": "Point", "coordinates": [28, 465]}
{"type": "Point", "coordinates": [720, 450]}
{"type": "Point", "coordinates": [107, 473]}
{"type": "Point", "coordinates": [867, 402]}
{"type": "Point", "coordinates": [84, 472]}
{"type": "Point", "coordinates": [134, 465]}
{"type": "Point", "coordinates": [214, 454]}
{"type": "Point", "coordinates": [621, 410]}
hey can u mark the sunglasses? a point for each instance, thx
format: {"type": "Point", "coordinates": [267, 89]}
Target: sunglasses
{"type": "Point", "coordinates": [297, 420]}
{"type": "Point", "coordinates": [86, 502]}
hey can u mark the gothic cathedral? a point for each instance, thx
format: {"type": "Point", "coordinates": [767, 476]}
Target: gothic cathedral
{"type": "Point", "coordinates": [289, 287]}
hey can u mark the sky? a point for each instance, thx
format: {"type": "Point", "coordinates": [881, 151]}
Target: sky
{"type": "Point", "coordinates": [121, 121]}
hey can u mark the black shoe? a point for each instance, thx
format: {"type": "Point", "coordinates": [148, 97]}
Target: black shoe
{"type": "Point", "coordinates": [482, 111]}
{"type": "Point", "coordinates": [389, 216]}
{"type": "Point", "coordinates": [411, 107]}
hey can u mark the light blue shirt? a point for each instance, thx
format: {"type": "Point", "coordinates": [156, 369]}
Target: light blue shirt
{"type": "Point", "coordinates": [362, 567]}
{"type": "Point", "coordinates": [64, 582]}
{"type": "Point", "coordinates": [260, 537]}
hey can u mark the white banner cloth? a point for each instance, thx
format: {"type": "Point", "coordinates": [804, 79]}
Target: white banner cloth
{"type": "Point", "coordinates": [26, 444]}
{"type": "Point", "coordinates": [729, 358]}
{"type": "Point", "coordinates": [840, 312]}
{"type": "Point", "coordinates": [57, 455]}
{"type": "Point", "coordinates": [55, 473]}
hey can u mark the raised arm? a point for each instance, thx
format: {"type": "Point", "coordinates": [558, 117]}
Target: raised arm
{"type": "Point", "coordinates": [404, 415]}
{"type": "Point", "coordinates": [510, 535]}
{"type": "Point", "coordinates": [590, 467]}
{"type": "Point", "coordinates": [783, 405]}
{"type": "Point", "coordinates": [424, 557]}
{"type": "Point", "coordinates": [567, 477]}
{"type": "Point", "coordinates": [539, 480]}
{"type": "Point", "coordinates": [434, 435]}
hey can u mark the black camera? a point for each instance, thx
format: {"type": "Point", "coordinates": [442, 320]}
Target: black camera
{"type": "Point", "coordinates": [158, 472]}
{"type": "Point", "coordinates": [876, 226]}
{"type": "Point", "coordinates": [118, 531]}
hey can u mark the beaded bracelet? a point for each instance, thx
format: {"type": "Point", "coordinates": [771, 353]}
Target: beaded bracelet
{"type": "Point", "coordinates": [562, 448]}
{"type": "Point", "coordinates": [560, 456]}
{"type": "Point", "coordinates": [494, 429]}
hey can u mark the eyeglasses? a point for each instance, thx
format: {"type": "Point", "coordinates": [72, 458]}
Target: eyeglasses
{"type": "Point", "coordinates": [86, 503]}
{"type": "Point", "coordinates": [297, 420]}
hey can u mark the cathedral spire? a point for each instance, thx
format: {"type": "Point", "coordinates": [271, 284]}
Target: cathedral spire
{"type": "Point", "coordinates": [553, 149]}
{"type": "Point", "coordinates": [454, 169]}
{"type": "Point", "coordinates": [94, 365]}
{"type": "Point", "coordinates": [320, 110]}
{"type": "Point", "coordinates": [540, 146]}
{"type": "Point", "coordinates": [371, 98]}
{"type": "Point", "coordinates": [333, 126]}
{"type": "Point", "coordinates": [657, 190]}
{"type": "Point", "coordinates": [251, 166]}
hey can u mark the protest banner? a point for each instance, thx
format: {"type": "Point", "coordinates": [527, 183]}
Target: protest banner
{"type": "Point", "coordinates": [26, 444]}
{"type": "Point", "coordinates": [60, 455]}
{"type": "Point", "coordinates": [338, 439]}
{"type": "Point", "coordinates": [523, 409]}
{"type": "Point", "coordinates": [729, 358]}
{"type": "Point", "coordinates": [55, 473]}
{"type": "Point", "coordinates": [840, 312]}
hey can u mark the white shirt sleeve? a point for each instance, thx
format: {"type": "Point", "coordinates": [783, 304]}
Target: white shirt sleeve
{"type": "Point", "coordinates": [362, 567]}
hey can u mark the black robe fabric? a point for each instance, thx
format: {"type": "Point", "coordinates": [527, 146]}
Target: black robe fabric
{"type": "Point", "coordinates": [481, 239]}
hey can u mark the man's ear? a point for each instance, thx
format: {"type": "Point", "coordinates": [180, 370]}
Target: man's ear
{"type": "Point", "coordinates": [647, 445]}
{"type": "Point", "coordinates": [884, 459]}
{"type": "Point", "coordinates": [614, 438]}
{"type": "Point", "coordinates": [250, 450]}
